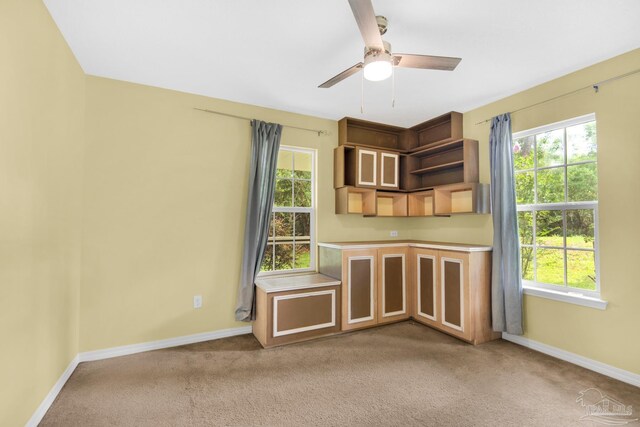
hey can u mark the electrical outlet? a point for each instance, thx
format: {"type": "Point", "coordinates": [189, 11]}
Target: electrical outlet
{"type": "Point", "coordinates": [394, 233]}
{"type": "Point", "coordinates": [197, 301]}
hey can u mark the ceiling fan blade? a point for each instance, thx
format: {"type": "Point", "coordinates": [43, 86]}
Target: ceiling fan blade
{"type": "Point", "coordinates": [343, 75]}
{"type": "Point", "coordinates": [428, 62]}
{"type": "Point", "coordinates": [366, 20]}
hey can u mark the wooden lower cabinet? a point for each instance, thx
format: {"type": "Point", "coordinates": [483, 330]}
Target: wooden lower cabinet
{"type": "Point", "coordinates": [453, 292]}
{"type": "Point", "coordinates": [359, 279]}
{"type": "Point", "coordinates": [393, 284]}
{"type": "Point", "coordinates": [298, 312]}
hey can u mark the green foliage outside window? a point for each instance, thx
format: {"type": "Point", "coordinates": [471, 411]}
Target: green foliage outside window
{"type": "Point", "coordinates": [289, 244]}
{"type": "Point", "coordinates": [563, 235]}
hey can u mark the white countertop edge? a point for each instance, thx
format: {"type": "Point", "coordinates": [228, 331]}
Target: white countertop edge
{"type": "Point", "coordinates": [412, 245]}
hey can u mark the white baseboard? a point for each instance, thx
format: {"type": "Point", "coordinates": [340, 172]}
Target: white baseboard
{"type": "Point", "coordinates": [53, 393]}
{"type": "Point", "coordinates": [122, 351]}
{"type": "Point", "coordinates": [576, 359]}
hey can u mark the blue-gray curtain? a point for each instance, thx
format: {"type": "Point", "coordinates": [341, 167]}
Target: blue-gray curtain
{"type": "Point", "coordinates": [265, 143]}
{"type": "Point", "coordinates": [506, 282]}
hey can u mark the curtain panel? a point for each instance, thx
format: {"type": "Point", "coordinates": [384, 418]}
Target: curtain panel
{"type": "Point", "coordinates": [506, 281]}
{"type": "Point", "coordinates": [265, 143]}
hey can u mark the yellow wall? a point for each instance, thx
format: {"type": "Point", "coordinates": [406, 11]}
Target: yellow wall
{"type": "Point", "coordinates": [608, 336]}
{"type": "Point", "coordinates": [41, 134]}
{"type": "Point", "coordinates": [150, 196]}
{"type": "Point", "coordinates": [165, 199]}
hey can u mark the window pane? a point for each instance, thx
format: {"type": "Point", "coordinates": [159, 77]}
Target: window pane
{"type": "Point", "coordinates": [551, 185]}
{"type": "Point", "coordinates": [271, 227]}
{"type": "Point", "coordinates": [581, 142]}
{"type": "Point", "coordinates": [267, 261]}
{"type": "Point", "coordinates": [549, 228]}
{"type": "Point", "coordinates": [284, 195]}
{"type": "Point", "coordinates": [283, 224]}
{"type": "Point", "coordinates": [302, 165]}
{"type": "Point", "coordinates": [285, 164]}
{"type": "Point", "coordinates": [580, 231]}
{"type": "Point", "coordinates": [523, 153]}
{"type": "Point", "coordinates": [582, 185]}
{"type": "Point", "coordinates": [581, 269]}
{"type": "Point", "coordinates": [526, 257]}
{"type": "Point", "coordinates": [303, 256]}
{"type": "Point", "coordinates": [303, 226]}
{"type": "Point", "coordinates": [284, 256]}
{"type": "Point", "coordinates": [302, 193]}
{"type": "Point", "coordinates": [525, 227]}
{"type": "Point", "coordinates": [550, 148]}
{"type": "Point", "coordinates": [550, 266]}
{"type": "Point", "coordinates": [524, 188]}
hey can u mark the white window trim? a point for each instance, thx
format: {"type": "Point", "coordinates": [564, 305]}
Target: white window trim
{"type": "Point", "coordinates": [311, 211]}
{"type": "Point", "coordinates": [534, 289]}
{"type": "Point", "coordinates": [563, 293]}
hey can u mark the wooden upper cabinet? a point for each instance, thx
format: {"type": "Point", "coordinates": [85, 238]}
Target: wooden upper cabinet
{"type": "Point", "coordinates": [393, 284]}
{"type": "Point", "coordinates": [366, 167]}
{"type": "Point", "coordinates": [389, 170]}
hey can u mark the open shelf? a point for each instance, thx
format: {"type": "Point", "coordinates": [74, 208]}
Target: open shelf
{"type": "Point", "coordinates": [436, 148]}
{"type": "Point", "coordinates": [391, 204]}
{"type": "Point", "coordinates": [353, 200]}
{"type": "Point", "coordinates": [464, 198]}
{"type": "Point", "coordinates": [436, 168]}
{"type": "Point", "coordinates": [421, 203]}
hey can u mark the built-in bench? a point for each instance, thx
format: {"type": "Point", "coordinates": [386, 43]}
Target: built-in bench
{"type": "Point", "coordinates": [296, 308]}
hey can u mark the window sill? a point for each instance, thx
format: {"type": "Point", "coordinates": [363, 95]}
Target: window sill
{"type": "Point", "coordinates": [297, 271]}
{"type": "Point", "coordinates": [568, 297]}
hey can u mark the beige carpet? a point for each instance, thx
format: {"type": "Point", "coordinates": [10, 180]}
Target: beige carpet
{"type": "Point", "coordinates": [401, 374]}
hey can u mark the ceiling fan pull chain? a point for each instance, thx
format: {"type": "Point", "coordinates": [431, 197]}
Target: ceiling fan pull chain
{"type": "Point", "coordinates": [362, 94]}
{"type": "Point", "coordinates": [393, 88]}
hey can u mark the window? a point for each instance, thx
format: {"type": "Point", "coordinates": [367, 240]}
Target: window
{"type": "Point", "coordinates": [557, 202]}
{"type": "Point", "coordinates": [291, 244]}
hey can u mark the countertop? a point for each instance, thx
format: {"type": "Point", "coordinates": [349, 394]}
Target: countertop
{"type": "Point", "coordinates": [293, 282]}
{"type": "Point", "coordinates": [458, 247]}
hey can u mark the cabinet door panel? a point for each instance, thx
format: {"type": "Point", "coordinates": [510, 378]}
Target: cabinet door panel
{"type": "Point", "coordinates": [367, 167]}
{"type": "Point", "coordinates": [426, 283]}
{"type": "Point", "coordinates": [452, 293]}
{"type": "Point", "coordinates": [393, 300]}
{"type": "Point", "coordinates": [392, 284]}
{"type": "Point", "coordinates": [359, 288]}
{"type": "Point", "coordinates": [389, 170]}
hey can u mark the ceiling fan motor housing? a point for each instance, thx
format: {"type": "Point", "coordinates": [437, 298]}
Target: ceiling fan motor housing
{"type": "Point", "coordinates": [372, 54]}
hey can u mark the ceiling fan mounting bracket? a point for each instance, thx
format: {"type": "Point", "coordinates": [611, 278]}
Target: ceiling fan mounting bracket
{"type": "Point", "coordinates": [383, 24]}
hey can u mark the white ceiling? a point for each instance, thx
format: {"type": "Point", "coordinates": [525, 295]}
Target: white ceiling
{"type": "Point", "coordinates": [275, 53]}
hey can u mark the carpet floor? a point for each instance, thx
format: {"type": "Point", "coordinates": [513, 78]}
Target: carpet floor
{"type": "Point", "coordinates": [403, 374]}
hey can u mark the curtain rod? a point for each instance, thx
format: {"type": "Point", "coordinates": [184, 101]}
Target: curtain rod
{"type": "Point", "coordinates": [319, 132]}
{"type": "Point", "coordinates": [594, 86]}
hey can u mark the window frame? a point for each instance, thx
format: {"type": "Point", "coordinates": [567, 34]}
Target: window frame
{"type": "Point", "coordinates": [310, 210]}
{"type": "Point", "coordinates": [561, 206]}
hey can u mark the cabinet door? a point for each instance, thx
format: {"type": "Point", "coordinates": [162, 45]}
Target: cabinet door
{"type": "Point", "coordinates": [359, 292]}
{"type": "Point", "coordinates": [392, 284]}
{"type": "Point", "coordinates": [389, 170]}
{"type": "Point", "coordinates": [367, 167]}
{"type": "Point", "coordinates": [454, 291]}
{"type": "Point", "coordinates": [425, 265]}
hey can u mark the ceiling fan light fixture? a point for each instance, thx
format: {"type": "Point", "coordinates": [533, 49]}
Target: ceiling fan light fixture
{"type": "Point", "coordinates": [377, 63]}
{"type": "Point", "coordinates": [376, 71]}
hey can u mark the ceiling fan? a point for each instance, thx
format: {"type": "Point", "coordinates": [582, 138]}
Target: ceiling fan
{"type": "Point", "coordinates": [378, 60]}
